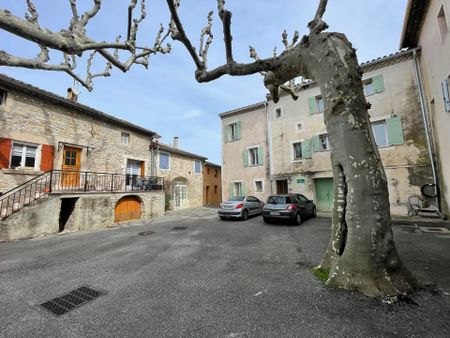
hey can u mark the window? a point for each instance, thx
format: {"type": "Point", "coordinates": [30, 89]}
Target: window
{"type": "Point", "coordinates": [324, 142]}
{"type": "Point", "coordinates": [368, 87]}
{"type": "Point", "coordinates": [207, 171]}
{"type": "Point", "coordinates": [198, 167]}
{"type": "Point", "coordinates": [253, 156]}
{"type": "Point", "coordinates": [2, 97]}
{"type": "Point", "coordinates": [234, 131]}
{"type": "Point", "coordinates": [163, 161]}
{"type": "Point", "coordinates": [297, 151]}
{"type": "Point", "coordinates": [23, 155]}
{"type": "Point", "coordinates": [442, 22]}
{"type": "Point", "coordinates": [215, 190]}
{"type": "Point", "coordinates": [380, 133]}
{"type": "Point", "coordinates": [300, 126]}
{"type": "Point", "coordinates": [320, 105]}
{"type": "Point", "coordinates": [316, 104]}
{"type": "Point", "coordinates": [216, 172]}
{"type": "Point", "coordinates": [237, 189]}
{"type": "Point", "coordinates": [259, 186]}
{"type": "Point", "coordinates": [446, 94]}
{"type": "Point", "coordinates": [125, 138]}
{"type": "Point", "coordinates": [278, 113]}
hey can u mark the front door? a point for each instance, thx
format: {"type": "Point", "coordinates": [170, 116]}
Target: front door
{"type": "Point", "coordinates": [282, 187]}
{"type": "Point", "coordinates": [179, 195]}
{"type": "Point", "coordinates": [324, 194]}
{"type": "Point", "coordinates": [71, 167]}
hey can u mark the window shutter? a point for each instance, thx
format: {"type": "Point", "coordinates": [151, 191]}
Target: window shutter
{"type": "Point", "coordinates": [306, 149]}
{"type": "Point", "coordinates": [394, 131]}
{"type": "Point", "coordinates": [378, 83]}
{"type": "Point", "coordinates": [315, 143]}
{"type": "Point", "coordinates": [47, 156]}
{"type": "Point", "coordinates": [5, 152]}
{"type": "Point", "coordinates": [312, 105]}
{"type": "Point", "coordinates": [446, 94]}
{"type": "Point", "coordinates": [231, 190]}
{"type": "Point", "coordinates": [226, 133]}
{"type": "Point", "coordinates": [245, 158]}
{"type": "Point", "coordinates": [238, 130]}
{"type": "Point", "coordinates": [260, 155]}
{"type": "Point", "coordinates": [244, 188]}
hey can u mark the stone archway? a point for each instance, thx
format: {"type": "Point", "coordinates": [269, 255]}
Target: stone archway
{"type": "Point", "coordinates": [128, 208]}
{"type": "Point", "coordinates": [180, 193]}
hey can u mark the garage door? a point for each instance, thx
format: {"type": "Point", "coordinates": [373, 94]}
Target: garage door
{"type": "Point", "coordinates": [127, 209]}
{"type": "Point", "coordinates": [324, 194]}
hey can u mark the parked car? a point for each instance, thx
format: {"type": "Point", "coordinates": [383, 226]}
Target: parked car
{"type": "Point", "coordinates": [240, 207]}
{"type": "Point", "coordinates": [289, 207]}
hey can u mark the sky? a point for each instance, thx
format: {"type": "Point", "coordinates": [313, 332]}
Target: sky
{"type": "Point", "coordinates": [166, 98]}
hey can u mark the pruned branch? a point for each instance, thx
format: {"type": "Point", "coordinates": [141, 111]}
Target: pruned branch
{"type": "Point", "coordinates": [317, 25]}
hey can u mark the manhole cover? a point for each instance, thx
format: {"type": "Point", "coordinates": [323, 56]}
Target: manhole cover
{"type": "Point", "coordinates": [146, 233]}
{"type": "Point", "coordinates": [179, 228]}
{"type": "Point", "coordinates": [435, 230]}
{"type": "Point", "coordinates": [61, 305]}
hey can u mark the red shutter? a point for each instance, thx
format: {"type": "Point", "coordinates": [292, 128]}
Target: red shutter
{"type": "Point", "coordinates": [5, 152]}
{"type": "Point", "coordinates": [47, 155]}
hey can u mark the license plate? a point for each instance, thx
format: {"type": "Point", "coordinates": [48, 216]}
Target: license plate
{"type": "Point", "coordinates": [274, 213]}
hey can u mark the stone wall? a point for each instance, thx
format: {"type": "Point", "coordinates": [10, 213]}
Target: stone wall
{"type": "Point", "coordinates": [91, 211]}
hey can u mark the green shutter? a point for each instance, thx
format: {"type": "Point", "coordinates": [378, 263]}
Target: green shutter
{"type": "Point", "coordinates": [238, 130]}
{"type": "Point", "coordinates": [245, 158]}
{"type": "Point", "coordinates": [306, 149]}
{"type": "Point", "coordinates": [226, 133]}
{"type": "Point", "coordinates": [244, 188]}
{"type": "Point", "coordinates": [261, 155]}
{"type": "Point", "coordinates": [315, 143]}
{"type": "Point", "coordinates": [312, 105]}
{"type": "Point", "coordinates": [394, 130]}
{"type": "Point", "coordinates": [378, 83]}
{"type": "Point", "coordinates": [230, 191]}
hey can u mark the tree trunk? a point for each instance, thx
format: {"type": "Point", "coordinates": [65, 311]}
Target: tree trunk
{"type": "Point", "coordinates": [361, 254]}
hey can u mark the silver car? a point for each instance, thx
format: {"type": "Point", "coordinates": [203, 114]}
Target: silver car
{"type": "Point", "coordinates": [240, 207]}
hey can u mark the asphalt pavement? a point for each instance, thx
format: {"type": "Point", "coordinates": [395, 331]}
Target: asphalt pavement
{"type": "Point", "coordinates": [189, 274]}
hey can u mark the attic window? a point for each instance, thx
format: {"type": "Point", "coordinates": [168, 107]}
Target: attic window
{"type": "Point", "coordinates": [442, 22]}
{"type": "Point", "coordinates": [125, 138]}
{"type": "Point", "coordinates": [2, 97]}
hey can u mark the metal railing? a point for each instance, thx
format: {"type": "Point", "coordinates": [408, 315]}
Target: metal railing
{"type": "Point", "coordinates": [63, 182]}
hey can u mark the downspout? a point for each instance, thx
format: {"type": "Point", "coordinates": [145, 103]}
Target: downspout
{"type": "Point", "coordinates": [419, 80]}
{"type": "Point", "coordinates": [269, 141]}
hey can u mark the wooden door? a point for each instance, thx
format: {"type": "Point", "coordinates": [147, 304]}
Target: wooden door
{"type": "Point", "coordinates": [324, 194]}
{"type": "Point", "coordinates": [282, 187]}
{"type": "Point", "coordinates": [71, 167]}
{"type": "Point", "coordinates": [128, 208]}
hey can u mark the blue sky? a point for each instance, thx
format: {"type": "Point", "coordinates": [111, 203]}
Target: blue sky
{"type": "Point", "coordinates": [166, 98]}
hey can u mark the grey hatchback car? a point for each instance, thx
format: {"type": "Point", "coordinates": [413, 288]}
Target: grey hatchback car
{"type": "Point", "coordinates": [240, 207]}
{"type": "Point", "coordinates": [289, 207]}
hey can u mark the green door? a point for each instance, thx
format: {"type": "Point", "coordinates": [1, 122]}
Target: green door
{"type": "Point", "coordinates": [324, 194]}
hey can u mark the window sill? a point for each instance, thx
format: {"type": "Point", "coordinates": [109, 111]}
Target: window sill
{"type": "Point", "coordinates": [22, 171]}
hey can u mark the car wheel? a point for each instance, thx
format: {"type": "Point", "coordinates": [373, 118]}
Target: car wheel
{"type": "Point", "coordinates": [222, 218]}
{"type": "Point", "coordinates": [314, 213]}
{"type": "Point", "coordinates": [298, 219]}
{"type": "Point", "coordinates": [244, 215]}
{"type": "Point", "coordinates": [266, 220]}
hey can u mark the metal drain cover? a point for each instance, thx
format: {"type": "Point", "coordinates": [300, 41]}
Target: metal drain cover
{"type": "Point", "coordinates": [435, 230]}
{"type": "Point", "coordinates": [179, 228]}
{"type": "Point", "coordinates": [61, 305]}
{"type": "Point", "coordinates": [146, 233]}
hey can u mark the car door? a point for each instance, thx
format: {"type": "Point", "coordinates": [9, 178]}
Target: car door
{"type": "Point", "coordinates": [308, 204]}
{"type": "Point", "coordinates": [252, 205]}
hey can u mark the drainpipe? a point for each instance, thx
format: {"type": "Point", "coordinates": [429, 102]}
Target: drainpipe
{"type": "Point", "coordinates": [269, 140]}
{"type": "Point", "coordinates": [426, 122]}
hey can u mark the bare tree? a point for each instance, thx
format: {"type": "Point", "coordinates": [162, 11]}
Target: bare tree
{"type": "Point", "coordinates": [361, 254]}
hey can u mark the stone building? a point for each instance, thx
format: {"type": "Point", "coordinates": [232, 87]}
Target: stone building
{"type": "Point", "coordinates": [183, 175]}
{"type": "Point", "coordinates": [77, 166]}
{"type": "Point", "coordinates": [212, 185]}
{"type": "Point", "coordinates": [427, 28]}
{"type": "Point", "coordinates": [295, 145]}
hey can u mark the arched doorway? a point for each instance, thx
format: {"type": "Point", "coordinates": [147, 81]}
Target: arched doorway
{"type": "Point", "coordinates": [127, 208]}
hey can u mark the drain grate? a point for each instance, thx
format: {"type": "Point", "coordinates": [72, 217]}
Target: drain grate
{"type": "Point", "coordinates": [61, 305]}
{"type": "Point", "coordinates": [435, 230]}
{"type": "Point", "coordinates": [146, 233]}
{"type": "Point", "coordinates": [179, 228]}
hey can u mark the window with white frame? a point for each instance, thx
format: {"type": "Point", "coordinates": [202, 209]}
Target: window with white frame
{"type": "Point", "coordinates": [237, 186]}
{"type": "Point", "coordinates": [253, 156]}
{"type": "Point", "coordinates": [380, 133]}
{"type": "Point", "coordinates": [368, 87]}
{"type": "Point", "coordinates": [259, 186]}
{"type": "Point", "coordinates": [125, 138]}
{"type": "Point", "coordinates": [324, 142]}
{"type": "Point", "coordinates": [278, 113]}
{"type": "Point", "coordinates": [297, 148]}
{"type": "Point", "coordinates": [2, 97]}
{"type": "Point", "coordinates": [198, 167]}
{"type": "Point", "coordinates": [23, 155]}
{"type": "Point", "coordinates": [320, 104]}
{"type": "Point", "coordinates": [446, 94]}
{"type": "Point", "coordinates": [164, 159]}
{"type": "Point", "coordinates": [233, 132]}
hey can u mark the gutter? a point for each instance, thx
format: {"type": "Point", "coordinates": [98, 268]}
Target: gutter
{"type": "Point", "coordinates": [420, 87]}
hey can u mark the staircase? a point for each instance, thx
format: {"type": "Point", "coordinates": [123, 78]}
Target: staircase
{"type": "Point", "coordinates": [24, 194]}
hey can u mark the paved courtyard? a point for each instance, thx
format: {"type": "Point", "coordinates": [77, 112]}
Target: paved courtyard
{"type": "Point", "coordinates": [210, 279]}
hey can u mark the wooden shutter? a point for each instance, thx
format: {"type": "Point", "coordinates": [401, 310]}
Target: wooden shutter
{"type": "Point", "coordinates": [261, 155]}
{"type": "Point", "coordinates": [47, 156]}
{"type": "Point", "coordinates": [238, 130]}
{"type": "Point", "coordinates": [315, 143]}
{"type": "Point", "coordinates": [231, 190]}
{"type": "Point", "coordinates": [142, 169]}
{"type": "Point", "coordinates": [245, 158]}
{"type": "Point", "coordinates": [243, 188]}
{"type": "Point", "coordinates": [446, 95]}
{"type": "Point", "coordinates": [312, 105]}
{"type": "Point", "coordinates": [5, 152]}
{"type": "Point", "coordinates": [394, 131]}
{"type": "Point", "coordinates": [306, 149]}
{"type": "Point", "coordinates": [378, 83]}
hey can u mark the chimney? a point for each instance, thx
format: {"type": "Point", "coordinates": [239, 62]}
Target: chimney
{"type": "Point", "coordinates": [71, 95]}
{"type": "Point", "coordinates": [175, 142]}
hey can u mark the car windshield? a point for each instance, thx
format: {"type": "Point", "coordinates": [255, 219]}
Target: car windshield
{"type": "Point", "coordinates": [236, 198]}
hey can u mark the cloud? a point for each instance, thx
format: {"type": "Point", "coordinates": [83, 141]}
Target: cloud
{"type": "Point", "coordinates": [193, 113]}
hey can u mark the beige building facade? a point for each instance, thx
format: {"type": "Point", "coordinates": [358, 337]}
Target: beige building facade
{"type": "Point", "coordinates": [427, 26]}
{"type": "Point", "coordinates": [299, 148]}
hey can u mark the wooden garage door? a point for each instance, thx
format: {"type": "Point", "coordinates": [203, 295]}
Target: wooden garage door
{"type": "Point", "coordinates": [127, 209]}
